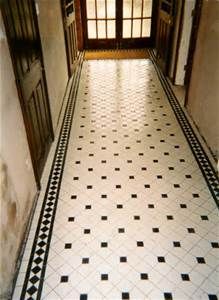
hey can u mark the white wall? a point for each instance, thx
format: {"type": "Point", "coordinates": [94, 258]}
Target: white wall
{"type": "Point", "coordinates": [54, 53]}
{"type": "Point", "coordinates": [17, 185]}
{"type": "Point", "coordinates": [203, 98]}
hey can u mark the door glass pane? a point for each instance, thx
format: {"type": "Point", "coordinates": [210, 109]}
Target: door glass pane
{"type": "Point", "coordinates": [127, 28]}
{"type": "Point", "coordinates": [111, 8]}
{"type": "Point", "coordinates": [146, 28]}
{"type": "Point", "coordinates": [101, 29]}
{"type": "Point", "coordinates": [101, 10]}
{"type": "Point", "coordinates": [147, 8]}
{"type": "Point", "coordinates": [111, 29]}
{"type": "Point", "coordinates": [137, 8]}
{"type": "Point", "coordinates": [136, 29]}
{"type": "Point", "coordinates": [91, 26]}
{"type": "Point", "coordinates": [127, 8]}
{"type": "Point", "coordinates": [91, 9]}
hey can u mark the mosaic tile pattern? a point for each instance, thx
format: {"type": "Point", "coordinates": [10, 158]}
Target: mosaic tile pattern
{"type": "Point", "coordinates": [135, 218]}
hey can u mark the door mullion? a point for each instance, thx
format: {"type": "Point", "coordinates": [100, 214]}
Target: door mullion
{"type": "Point", "coordinates": [119, 15]}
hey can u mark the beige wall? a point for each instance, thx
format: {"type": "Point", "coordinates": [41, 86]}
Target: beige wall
{"type": "Point", "coordinates": [17, 182]}
{"type": "Point", "coordinates": [203, 100]}
{"type": "Point", "coordinates": [54, 53]}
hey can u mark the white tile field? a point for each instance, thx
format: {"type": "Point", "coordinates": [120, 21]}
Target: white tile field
{"type": "Point", "coordinates": [135, 218]}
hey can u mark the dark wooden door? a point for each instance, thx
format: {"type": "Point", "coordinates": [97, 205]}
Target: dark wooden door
{"type": "Point", "coordinates": [25, 47]}
{"type": "Point", "coordinates": [164, 33]}
{"type": "Point", "coordinates": [118, 23]}
{"type": "Point", "coordinates": [68, 9]}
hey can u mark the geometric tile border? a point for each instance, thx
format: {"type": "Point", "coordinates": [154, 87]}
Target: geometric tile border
{"type": "Point", "coordinates": [35, 273]}
{"type": "Point", "coordinates": [197, 149]}
{"type": "Point", "coordinates": [33, 283]}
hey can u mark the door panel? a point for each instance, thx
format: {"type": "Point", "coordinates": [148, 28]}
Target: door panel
{"type": "Point", "coordinates": [118, 24]}
{"type": "Point", "coordinates": [68, 9]}
{"type": "Point", "coordinates": [22, 31]}
{"type": "Point", "coordinates": [164, 33]}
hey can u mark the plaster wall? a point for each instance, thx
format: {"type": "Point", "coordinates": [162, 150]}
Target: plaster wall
{"type": "Point", "coordinates": [17, 182]}
{"type": "Point", "coordinates": [54, 53]}
{"type": "Point", "coordinates": [203, 97]}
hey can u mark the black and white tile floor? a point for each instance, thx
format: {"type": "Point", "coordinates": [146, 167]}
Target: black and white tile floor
{"type": "Point", "coordinates": [133, 217]}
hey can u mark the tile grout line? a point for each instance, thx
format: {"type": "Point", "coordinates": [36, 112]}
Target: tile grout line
{"type": "Point", "coordinates": [192, 139]}
{"type": "Point", "coordinates": [41, 244]}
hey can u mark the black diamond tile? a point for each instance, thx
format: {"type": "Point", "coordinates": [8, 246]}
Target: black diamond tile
{"type": "Point", "coordinates": [104, 276]}
{"type": "Point", "coordinates": [161, 259]}
{"type": "Point", "coordinates": [136, 217]}
{"type": "Point", "coordinates": [85, 260]}
{"type": "Point", "coordinates": [155, 229]}
{"type": "Point", "coordinates": [185, 277]}
{"type": "Point", "coordinates": [121, 230]}
{"type": "Point", "coordinates": [32, 290]}
{"type": "Point", "coordinates": [38, 260]}
{"type": "Point", "coordinates": [104, 245]}
{"type": "Point", "coordinates": [144, 276]}
{"type": "Point", "coordinates": [125, 296]}
{"type": "Point", "coordinates": [140, 244]}
{"type": "Point", "coordinates": [123, 259]}
{"type": "Point", "coordinates": [214, 245]}
{"type": "Point", "coordinates": [34, 279]}
{"type": "Point", "coordinates": [176, 244]}
{"type": "Point", "coordinates": [68, 246]}
{"type": "Point", "coordinates": [212, 297]}
{"type": "Point", "coordinates": [104, 218]}
{"type": "Point", "coordinates": [36, 269]}
{"type": "Point", "coordinates": [204, 218]}
{"type": "Point", "coordinates": [83, 297]}
{"type": "Point", "coordinates": [150, 205]}
{"type": "Point", "coordinates": [191, 230]}
{"type": "Point", "coordinates": [168, 296]}
{"type": "Point", "coordinates": [200, 260]}
{"type": "Point", "coordinates": [64, 278]}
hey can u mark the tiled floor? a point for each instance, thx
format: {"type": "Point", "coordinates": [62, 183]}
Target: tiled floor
{"type": "Point", "coordinates": [134, 217]}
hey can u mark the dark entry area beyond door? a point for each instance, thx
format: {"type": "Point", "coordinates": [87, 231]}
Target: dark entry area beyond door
{"type": "Point", "coordinates": [118, 24]}
{"type": "Point", "coordinates": [25, 47]}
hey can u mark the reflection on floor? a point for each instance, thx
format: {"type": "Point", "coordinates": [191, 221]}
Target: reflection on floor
{"type": "Point", "coordinates": [134, 217]}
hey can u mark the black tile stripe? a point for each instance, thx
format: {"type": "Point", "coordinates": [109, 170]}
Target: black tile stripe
{"type": "Point", "coordinates": [196, 147]}
{"type": "Point", "coordinates": [33, 283]}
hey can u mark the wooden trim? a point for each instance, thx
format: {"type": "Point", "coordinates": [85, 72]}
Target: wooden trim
{"type": "Point", "coordinates": [118, 41]}
{"type": "Point", "coordinates": [79, 27]}
{"type": "Point", "coordinates": [178, 40]}
{"type": "Point", "coordinates": [192, 46]}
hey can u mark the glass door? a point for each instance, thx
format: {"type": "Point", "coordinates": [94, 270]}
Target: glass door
{"type": "Point", "coordinates": [119, 23]}
{"type": "Point", "coordinates": [100, 23]}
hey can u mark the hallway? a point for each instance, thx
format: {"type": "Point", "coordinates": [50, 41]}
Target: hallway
{"type": "Point", "coordinates": [127, 213]}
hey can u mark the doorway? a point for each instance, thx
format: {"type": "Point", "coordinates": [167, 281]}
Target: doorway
{"type": "Point", "coordinates": [70, 32]}
{"type": "Point", "coordinates": [25, 47]}
{"type": "Point", "coordinates": [118, 24]}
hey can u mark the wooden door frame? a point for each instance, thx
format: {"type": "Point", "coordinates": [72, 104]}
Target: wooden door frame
{"type": "Point", "coordinates": [178, 41]}
{"type": "Point", "coordinates": [165, 67]}
{"type": "Point", "coordinates": [19, 89]}
{"type": "Point", "coordinates": [118, 42]}
{"type": "Point", "coordinates": [192, 46]}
